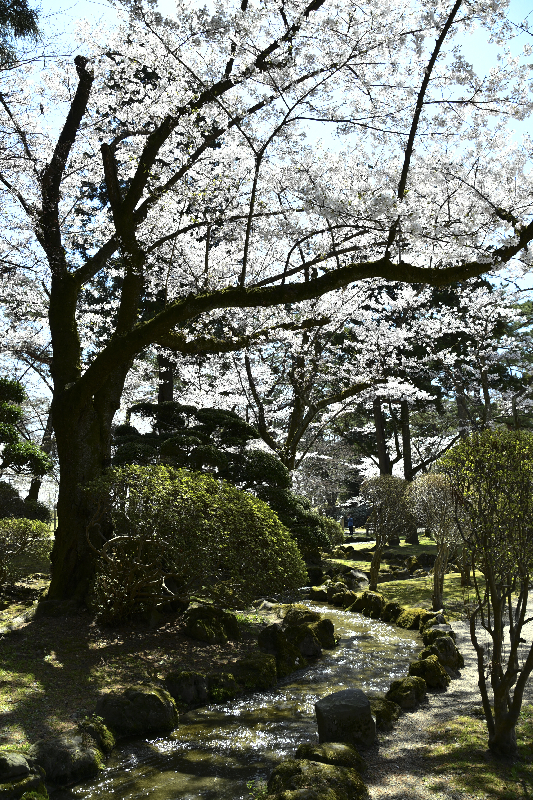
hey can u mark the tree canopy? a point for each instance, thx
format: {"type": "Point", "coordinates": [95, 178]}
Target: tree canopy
{"type": "Point", "coordinates": [180, 191]}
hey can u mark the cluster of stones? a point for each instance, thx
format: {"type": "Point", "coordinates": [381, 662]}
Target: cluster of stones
{"type": "Point", "coordinates": [151, 709]}
{"type": "Point", "coordinates": [347, 721]}
{"type": "Point", "coordinates": [355, 580]}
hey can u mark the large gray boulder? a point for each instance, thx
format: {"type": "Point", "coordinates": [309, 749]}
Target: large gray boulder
{"type": "Point", "coordinates": [138, 711]}
{"type": "Point", "coordinates": [19, 774]}
{"type": "Point", "coordinates": [346, 716]}
{"type": "Point", "coordinates": [68, 759]}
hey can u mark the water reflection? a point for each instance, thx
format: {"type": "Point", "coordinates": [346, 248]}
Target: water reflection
{"type": "Point", "coordinates": [217, 749]}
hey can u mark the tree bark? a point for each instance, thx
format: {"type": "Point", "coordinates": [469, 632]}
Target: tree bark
{"type": "Point", "coordinates": [165, 375]}
{"type": "Point", "coordinates": [385, 466]}
{"type": "Point", "coordinates": [406, 441]}
{"type": "Point", "coordinates": [438, 577]}
{"type": "Point", "coordinates": [46, 447]}
{"type": "Point", "coordinates": [374, 569]}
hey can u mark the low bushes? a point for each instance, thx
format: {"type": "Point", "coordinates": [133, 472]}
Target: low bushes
{"type": "Point", "coordinates": [23, 544]}
{"type": "Point", "coordinates": [175, 533]}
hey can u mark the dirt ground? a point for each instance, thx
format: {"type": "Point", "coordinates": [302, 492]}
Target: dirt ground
{"type": "Point", "coordinates": [53, 669]}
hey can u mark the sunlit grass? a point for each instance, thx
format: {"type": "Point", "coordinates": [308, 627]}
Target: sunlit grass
{"type": "Point", "coordinates": [459, 753]}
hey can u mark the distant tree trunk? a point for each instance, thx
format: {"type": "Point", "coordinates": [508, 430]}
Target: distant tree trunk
{"type": "Point", "coordinates": [464, 567]}
{"type": "Point", "coordinates": [438, 577]}
{"type": "Point", "coordinates": [462, 411]}
{"type": "Point", "coordinates": [46, 447]}
{"type": "Point", "coordinates": [406, 441]}
{"type": "Point", "coordinates": [165, 375]}
{"type": "Point", "coordinates": [374, 569]}
{"type": "Point", "coordinates": [385, 466]}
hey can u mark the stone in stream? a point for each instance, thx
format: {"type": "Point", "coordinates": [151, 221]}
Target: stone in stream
{"type": "Point", "coordinates": [432, 671]}
{"type": "Point", "coordinates": [407, 692]}
{"type": "Point", "coordinates": [19, 774]}
{"type": "Point", "coordinates": [346, 716]}
{"type": "Point", "coordinates": [444, 648]}
{"type": "Point", "coordinates": [187, 687]}
{"type": "Point", "coordinates": [338, 753]}
{"type": "Point", "coordinates": [324, 630]}
{"type": "Point", "coordinates": [304, 639]}
{"type": "Point", "coordinates": [312, 780]}
{"type": "Point", "coordinates": [272, 640]}
{"type": "Point", "coordinates": [386, 713]}
{"type": "Point", "coordinates": [138, 711]}
{"type": "Point", "coordinates": [211, 625]}
{"type": "Point", "coordinates": [68, 759]}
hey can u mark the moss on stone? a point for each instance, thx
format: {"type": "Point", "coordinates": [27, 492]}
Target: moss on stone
{"type": "Point", "coordinates": [324, 631]}
{"type": "Point", "coordinates": [410, 618]}
{"type": "Point", "coordinates": [336, 753]}
{"type": "Point", "coordinates": [256, 671]}
{"type": "Point", "coordinates": [330, 782]}
{"type": "Point", "coordinates": [432, 671]}
{"type": "Point", "coordinates": [386, 713]}
{"type": "Point", "coordinates": [95, 727]}
{"type": "Point", "coordinates": [390, 611]}
{"type": "Point", "coordinates": [223, 686]}
{"type": "Point", "coordinates": [299, 614]}
{"type": "Point", "coordinates": [407, 692]}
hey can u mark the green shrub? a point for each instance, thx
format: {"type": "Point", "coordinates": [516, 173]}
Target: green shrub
{"type": "Point", "coordinates": [12, 505]}
{"type": "Point", "coordinates": [24, 543]}
{"type": "Point", "coordinates": [307, 527]}
{"type": "Point", "coordinates": [178, 533]}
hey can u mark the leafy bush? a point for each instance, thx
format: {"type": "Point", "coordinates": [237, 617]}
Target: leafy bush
{"type": "Point", "coordinates": [491, 475]}
{"type": "Point", "coordinates": [390, 514]}
{"type": "Point", "coordinates": [333, 530]}
{"type": "Point", "coordinates": [432, 502]}
{"type": "Point", "coordinates": [177, 533]}
{"type": "Point", "coordinates": [12, 505]}
{"type": "Point", "coordinates": [307, 526]}
{"type": "Point", "coordinates": [24, 544]}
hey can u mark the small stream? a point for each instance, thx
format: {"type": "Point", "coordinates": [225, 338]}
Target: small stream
{"type": "Point", "coordinates": [218, 749]}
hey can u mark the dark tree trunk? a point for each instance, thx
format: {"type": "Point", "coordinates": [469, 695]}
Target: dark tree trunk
{"type": "Point", "coordinates": [385, 466]}
{"type": "Point", "coordinates": [83, 437]}
{"type": "Point", "coordinates": [165, 374]}
{"type": "Point", "coordinates": [46, 447]}
{"type": "Point", "coordinates": [406, 441]}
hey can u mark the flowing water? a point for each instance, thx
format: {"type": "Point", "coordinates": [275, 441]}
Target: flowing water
{"type": "Point", "coordinates": [218, 749]}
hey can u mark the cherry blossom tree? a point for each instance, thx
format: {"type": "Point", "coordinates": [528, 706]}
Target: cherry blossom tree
{"type": "Point", "coordinates": [180, 192]}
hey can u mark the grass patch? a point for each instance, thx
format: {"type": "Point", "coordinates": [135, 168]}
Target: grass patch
{"type": "Point", "coordinates": [418, 591]}
{"type": "Point", "coordinates": [460, 755]}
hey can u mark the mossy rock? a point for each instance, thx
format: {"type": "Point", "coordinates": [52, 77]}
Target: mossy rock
{"type": "Point", "coordinates": [318, 594]}
{"type": "Point", "coordinates": [187, 687]}
{"type": "Point", "coordinates": [412, 563]}
{"type": "Point", "coordinates": [432, 671]}
{"type": "Point", "coordinates": [407, 692]}
{"type": "Point", "coordinates": [336, 753]}
{"type": "Point", "coordinates": [359, 602]}
{"type": "Point", "coordinates": [272, 640]}
{"type": "Point", "coordinates": [42, 795]}
{"type": "Point", "coordinates": [68, 759]}
{"type": "Point", "coordinates": [95, 727]}
{"type": "Point", "coordinates": [344, 599]}
{"type": "Point", "coordinates": [432, 634]}
{"type": "Point", "coordinates": [386, 713]}
{"type": "Point", "coordinates": [138, 711]}
{"type": "Point", "coordinates": [211, 625]}
{"type": "Point", "coordinates": [304, 639]}
{"type": "Point", "coordinates": [445, 650]}
{"type": "Point", "coordinates": [20, 775]}
{"type": "Point", "coordinates": [390, 611]}
{"type": "Point", "coordinates": [299, 614]}
{"type": "Point", "coordinates": [410, 618]}
{"type": "Point", "coordinates": [328, 781]}
{"type": "Point", "coordinates": [427, 619]}
{"type": "Point", "coordinates": [373, 603]}
{"type": "Point", "coordinates": [324, 631]}
{"type": "Point", "coordinates": [222, 686]}
{"type": "Point", "coordinates": [335, 588]}
{"type": "Point", "coordinates": [256, 671]}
